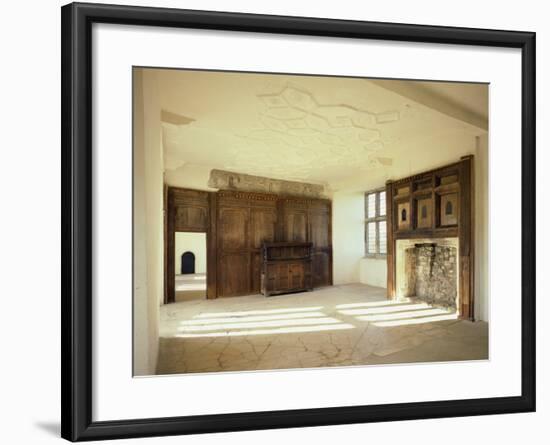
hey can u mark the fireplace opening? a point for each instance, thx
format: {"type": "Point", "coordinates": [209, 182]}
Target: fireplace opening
{"type": "Point", "coordinates": [427, 271]}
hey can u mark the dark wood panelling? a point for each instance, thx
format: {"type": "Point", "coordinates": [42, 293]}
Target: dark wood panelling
{"type": "Point", "coordinates": [191, 210]}
{"type": "Point", "coordinates": [309, 220]}
{"type": "Point", "coordinates": [319, 229]}
{"type": "Point", "coordinates": [232, 228]}
{"type": "Point", "coordinates": [466, 235]}
{"type": "Point", "coordinates": [320, 234]}
{"type": "Point", "coordinates": [245, 221]}
{"type": "Point", "coordinates": [256, 272]}
{"type": "Point", "coordinates": [237, 224]}
{"type": "Point", "coordinates": [191, 218]}
{"type": "Point", "coordinates": [186, 211]}
{"type": "Point", "coordinates": [390, 247]}
{"type": "Point", "coordinates": [262, 226]}
{"type": "Point", "coordinates": [212, 251]}
{"type": "Point", "coordinates": [234, 274]}
{"type": "Point", "coordinates": [321, 268]}
{"type": "Point", "coordinates": [296, 225]}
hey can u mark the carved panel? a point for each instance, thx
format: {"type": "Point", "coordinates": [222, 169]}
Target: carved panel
{"type": "Point", "coordinates": [403, 215]}
{"type": "Point", "coordinates": [424, 212]}
{"type": "Point", "coordinates": [262, 226]}
{"type": "Point", "coordinates": [256, 272]}
{"type": "Point", "coordinates": [191, 218]}
{"type": "Point", "coordinates": [225, 180]}
{"type": "Point", "coordinates": [319, 229]}
{"type": "Point", "coordinates": [286, 267]}
{"type": "Point", "coordinates": [234, 272]}
{"type": "Point", "coordinates": [449, 209]}
{"type": "Point", "coordinates": [295, 225]}
{"type": "Point", "coordinates": [232, 228]}
{"type": "Point", "coordinates": [321, 269]}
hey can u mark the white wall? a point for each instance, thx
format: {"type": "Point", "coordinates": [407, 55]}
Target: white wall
{"type": "Point", "coordinates": [148, 222]}
{"type": "Point", "coordinates": [348, 236]}
{"type": "Point", "coordinates": [373, 271]}
{"type": "Point", "coordinates": [348, 243]}
{"type": "Point", "coordinates": [192, 242]}
{"type": "Point", "coordinates": [481, 234]}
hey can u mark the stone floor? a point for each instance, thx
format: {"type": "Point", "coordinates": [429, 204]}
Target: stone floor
{"type": "Point", "coordinates": [190, 286]}
{"type": "Point", "coordinates": [334, 326]}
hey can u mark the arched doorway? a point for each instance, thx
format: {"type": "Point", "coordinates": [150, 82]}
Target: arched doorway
{"type": "Point", "coordinates": [188, 263]}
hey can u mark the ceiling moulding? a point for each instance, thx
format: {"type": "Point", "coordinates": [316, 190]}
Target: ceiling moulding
{"type": "Point", "coordinates": [421, 95]}
{"type": "Point", "coordinates": [175, 119]}
{"type": "Point", "coordinates": [225, 180]}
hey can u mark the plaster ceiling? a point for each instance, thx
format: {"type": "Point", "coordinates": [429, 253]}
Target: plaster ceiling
{"type": "Point", "coordinates": [340, 132]}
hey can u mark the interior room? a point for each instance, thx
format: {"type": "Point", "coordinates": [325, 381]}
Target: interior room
{"type": "Point", "coordinates": [286, 221]}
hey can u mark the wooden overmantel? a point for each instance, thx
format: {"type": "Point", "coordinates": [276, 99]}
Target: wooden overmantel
{"type": "Point", "coordinates": [435, 204]}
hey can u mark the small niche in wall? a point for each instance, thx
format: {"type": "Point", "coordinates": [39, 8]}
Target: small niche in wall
{"type": "Point", "coordinates": [403, 212]}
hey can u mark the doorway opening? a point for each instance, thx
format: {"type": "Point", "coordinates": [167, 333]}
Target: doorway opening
{"type": "Point", "coordinates": [187, 263]}
{"type": "Point", "coordinates": [190, 267]}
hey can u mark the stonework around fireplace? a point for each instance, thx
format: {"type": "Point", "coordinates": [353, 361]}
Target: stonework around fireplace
{"type": "Point", "coordinates": [426, 270]}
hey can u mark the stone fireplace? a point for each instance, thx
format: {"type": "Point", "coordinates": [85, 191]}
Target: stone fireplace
{"type": "Point", "coordinates": [430, 237]}
{"type": "Point", "coordinates": [426, 270]}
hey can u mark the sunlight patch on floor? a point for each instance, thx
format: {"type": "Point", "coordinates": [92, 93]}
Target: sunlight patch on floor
{"type": "Point", "coordinates": [288, 330]}
{"type": "Point", "coordinates": [258, 312]}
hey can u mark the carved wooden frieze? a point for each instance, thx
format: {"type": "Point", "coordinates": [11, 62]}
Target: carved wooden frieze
{"type": "Point", "coordinates": [224, 180]}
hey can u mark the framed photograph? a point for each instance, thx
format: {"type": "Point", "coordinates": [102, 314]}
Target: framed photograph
{"type": "Point", "coordinates": [274, 222]}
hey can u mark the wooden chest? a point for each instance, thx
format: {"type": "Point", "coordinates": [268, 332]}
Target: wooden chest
{"type": "Point", "coordinates": [286, 267]}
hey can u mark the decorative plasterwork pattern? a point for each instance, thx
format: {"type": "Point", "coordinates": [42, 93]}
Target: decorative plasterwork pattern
{"type": "Point", "coordinates": [311, 133]}
{"type": "Point", "coordinates": [225, 180]}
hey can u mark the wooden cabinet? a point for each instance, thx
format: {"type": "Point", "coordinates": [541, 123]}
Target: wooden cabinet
{"type": "Point", "coordinates": [310, 220]}
{"type": "Point", "coordinates": [286, 267]}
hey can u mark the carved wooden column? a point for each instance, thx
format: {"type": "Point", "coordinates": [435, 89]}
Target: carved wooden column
{"type": "Point", "coordinates": [390, 248]}
{"type": "Point", "coordinates": [212, 256]}
{"type": "Point", "coordinates": [466, 238]}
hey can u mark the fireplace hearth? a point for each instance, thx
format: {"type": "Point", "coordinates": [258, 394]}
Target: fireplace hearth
{"type": "Point", "coordinates": [427, 271]}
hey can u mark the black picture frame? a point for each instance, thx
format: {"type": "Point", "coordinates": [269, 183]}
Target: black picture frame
{"type": "Point", "coordinates": [76, 247]}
